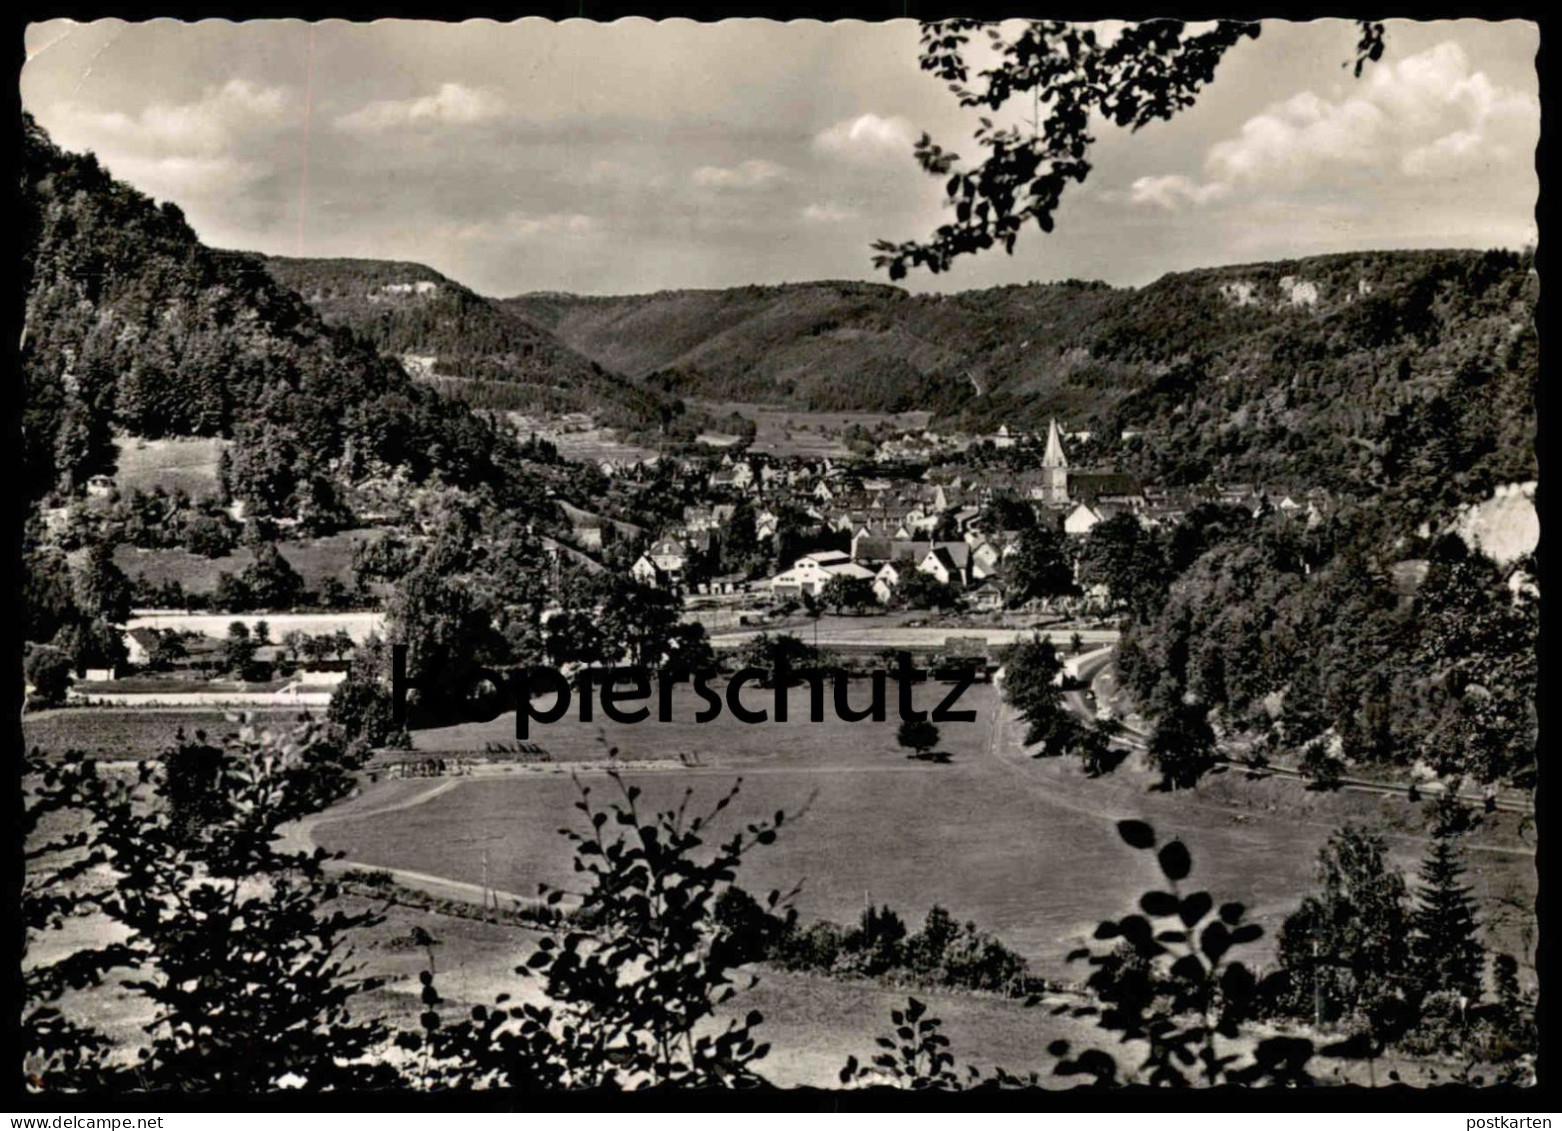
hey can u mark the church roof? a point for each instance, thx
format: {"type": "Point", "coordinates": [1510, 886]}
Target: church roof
{"type": "Point", "coordinates": [1091, 485]}
{"type": "Point", "coordinates": [1054, 456]}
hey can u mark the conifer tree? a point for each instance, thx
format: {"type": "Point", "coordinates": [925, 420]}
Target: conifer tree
{"type": "Point", "coordinates": [1446, 947]}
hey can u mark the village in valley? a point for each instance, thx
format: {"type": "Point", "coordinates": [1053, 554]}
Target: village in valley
{"type": "Point", "coordinates": [902, 538]}
{"type": "Point", "coordinates": [938, 523]}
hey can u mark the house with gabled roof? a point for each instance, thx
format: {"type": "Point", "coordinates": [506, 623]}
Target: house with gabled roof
{"type": "Point", "coordinates": [645, 572]}
{"type": "Point", "coordinates": [812, 572]}
{"type": "Point", "coordinates": [1082, 520]}
{"type": "Point", "coordinates": [988, 595]}
{"type": "Point", "coordinates": [986, 558]}
{"type": "Point", "coordinates": [887, 580]}
{"type": "Point", "coordinates": [939, 564]}
{"type": "Point", "coordinates": [670, 556]}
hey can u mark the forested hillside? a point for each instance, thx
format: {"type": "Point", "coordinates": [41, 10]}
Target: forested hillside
{"type": "Point", "coordinates": [830, 345]}
{"type": "Point", "coordinates": [1349, 371]}
{"type": "Point", "coordinates": [465, 344]}
{"type": "Point", "coordinates": [133, 326]}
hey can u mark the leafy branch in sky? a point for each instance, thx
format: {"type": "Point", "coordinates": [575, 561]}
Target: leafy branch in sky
{"type": "Point", "coordinates": [1150, 71]}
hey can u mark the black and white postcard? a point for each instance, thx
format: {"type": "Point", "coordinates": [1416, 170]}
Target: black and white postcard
{"type": "Point", "coordinates": [598, 555]}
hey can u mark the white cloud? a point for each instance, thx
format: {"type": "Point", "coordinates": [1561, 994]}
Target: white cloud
{"type": "Point", "coordinates": [750, 174]}
{"type": "Point", "coordinates": [206, 127]}
{"type": "Point", "coordinates": [214, 148]}
{"type": "Point", "coordinates": [1425, 116]}
{"type": "Point", "coordinates": [867, 138]}
{"type": "Point", "coordinates": [829, 213]}
{"type": "Point", "coordinates": [1174, 190]}
{"type": "Point", "coordinates": [185, 178]}
{"type": "Point", "coordinates": [522, 226]}
{"type": "Point", "coordinates": [453, 105]}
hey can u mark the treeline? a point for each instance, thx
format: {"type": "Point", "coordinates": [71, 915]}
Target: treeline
{"type": "Point", "coordinates": [943, 953]}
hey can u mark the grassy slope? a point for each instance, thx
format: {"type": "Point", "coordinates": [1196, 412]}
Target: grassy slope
{"type": "Point", "coordinates": [314, 558]}
{"type": "Point", "coordinates": [112, 733]}
{"type": "Point", "coordinates": [189, 462]}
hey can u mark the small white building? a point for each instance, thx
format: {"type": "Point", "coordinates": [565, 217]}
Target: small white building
{"type": "Point", "coordinates": [645, 572]}
{"type": "Point", "coordinates": [1081, 520]}
{"type": "Point", "coordinates": [812, 572]}
{"type": "Point", "coordinates": [886, 581]}
{"type": "Point", "coordinates": [940, 565]}
{"type": "Point", "coordinates": [985, 559]}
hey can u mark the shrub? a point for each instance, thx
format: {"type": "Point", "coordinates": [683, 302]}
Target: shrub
{"type": "Point", "coordinates": [362, 708]}
{"type": "Point", "coordinates": [630, 1005]}
{"type": "Point", "coordinates": [746, 931]}
{"type": "Point", "coordinates": [1321, 767]}
{"type": "Point", "coordinates": [917, 735]}
{"type": "Point", "coordinates": [48, 669]}
{"type": "Point", "coordinates": [240, 948]}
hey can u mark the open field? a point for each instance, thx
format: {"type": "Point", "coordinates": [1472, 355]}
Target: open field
{"type": "Point", "coordinates": [314, 558]}
{"type": "Point", "coordinates": [112, 733]}
{"type": "Point", "coordinates": [584, 444]}
{"type": "Point", "coordinates": [797, 432]}
{"type": "Point", "coordinates": [780, 431]}
{"type": "Point", "coordinates": [1026, 848]}
{"type": "Point", "coordinates": [178, 461]}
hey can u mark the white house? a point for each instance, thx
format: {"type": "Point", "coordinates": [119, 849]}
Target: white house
{"type": "Point", "coordinates": [985, 559]}
{"type": "Point", "coordinates": [812, 572]}
{"type": "Point", "coordinates": [1081, 520]}
{"type": "Point", "coordinates": [938, 564]}
{"type": "Point", "coordinates": [645, 572]}
{"type": "Point", "coordinates": [886, 581]}
{"type": "Point", "coordinates": [670, 556]}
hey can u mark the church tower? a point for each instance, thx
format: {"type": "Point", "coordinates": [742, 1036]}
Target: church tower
{"type": "Point", "coordinates": [1054, 469]}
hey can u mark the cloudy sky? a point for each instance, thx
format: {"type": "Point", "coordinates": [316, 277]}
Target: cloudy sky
{"type": "Point", "coordinates": [637, 156]}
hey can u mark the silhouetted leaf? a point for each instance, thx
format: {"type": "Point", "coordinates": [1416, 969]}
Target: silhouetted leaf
{"type": "Point", "coordinates": [1158, 903]}
{"type": "Point", "coordinates": [1194, 908]}
{"type": "Point", "coordinates": [1175, 861]}
{"type": "Point", "coordinates": [1136, 834]}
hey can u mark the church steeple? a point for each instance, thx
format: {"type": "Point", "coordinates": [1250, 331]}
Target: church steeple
{"type": "Point", "coordinates": [1054, 456]}
{"type": "Point", "coordinates": [1054, 469]}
